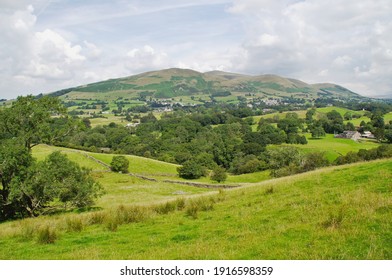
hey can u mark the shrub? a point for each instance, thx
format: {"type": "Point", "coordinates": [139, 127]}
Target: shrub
{"type": "Point", "coordinates": [119, 164]}
{"type": "Point", "coordinates": [314, 160]}
{"type": "Point", "coordinates": [247, 164]}
{"type": "Point", "coordinates": [191, 170]}
{"type": "Point", "coordinates": [219, 174]}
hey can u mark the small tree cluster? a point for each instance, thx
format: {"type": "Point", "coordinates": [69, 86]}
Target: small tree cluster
{"type": "Point", "coordinates": [285, 161]}
{"type": "Point", "coordinates": [119, 164]}
{"type": "Point", "coordinates": [219, 174]}
{"type": "Point", "coordinates": [191, 170]}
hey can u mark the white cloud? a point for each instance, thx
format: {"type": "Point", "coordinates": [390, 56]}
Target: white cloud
{"type": "Point", "coordinates": [47, 45]}
{"type": "Point", "coordinates": [345, 42]}
{"type": "Point", "coordinates": [141, 59]}
{"type": "Point", "coordinates": [33, 58]}
{"type": "Point", "coordinates": [91, 50]}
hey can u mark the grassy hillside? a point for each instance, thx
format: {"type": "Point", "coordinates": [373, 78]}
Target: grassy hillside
{"type": "Point", "coordinates": [191, 87]}
{"type": "Point", "coordinates": [123, 188]}
{"type": "Point", "coordinates": [335, 213]}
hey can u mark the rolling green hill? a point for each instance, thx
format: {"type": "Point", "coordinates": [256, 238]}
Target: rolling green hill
{"type": "Point", "coordinates": [335, 213]}
{"type": "Point", "coordinates": [181, 84]}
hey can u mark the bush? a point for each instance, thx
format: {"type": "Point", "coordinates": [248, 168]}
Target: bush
{"type": "Point", "coordinates": [219, 174]}
{"type": "Point", "coordinates": [314, 160]}
{"type": "Point", "coordinates": [119, 164]}
{"type": "Point", "coordinates": [191, 170]}
{"type": "Point", "coordinates": [317, 132]}
{"type": "Point", "coordinates": [247, 164]}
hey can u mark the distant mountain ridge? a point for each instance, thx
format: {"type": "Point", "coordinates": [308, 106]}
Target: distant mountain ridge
{"type": "Point", "coordinates": [176, 82]}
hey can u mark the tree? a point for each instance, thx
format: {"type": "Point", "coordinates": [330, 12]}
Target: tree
{"type": "Point", "coordinates": [15, 159]}
{"type": "Point", "coordinates": [34, 121]}
{"type": "Point", "coordinates": [28, 186]}
{"type": "Point", "coordinates": [313, 160]}
{"type": "Point", "coordinates": [309, 115]}
{"type": "Point", "coordinates": [246, 164]}
{"type": "Point", "coordinates": [317, 132]}
{"type": "Point", "coordinates": [36, 186]}
{"type": "Point", "coordinates": [284, 161]}
{"type": "Point", "coordinates": [348, 116]}
{"type": "Point", "coordinates": [349, 126]}
{"type": "Point", "coordinates": [55, 180]}
{"type": "Point", "coordinates": [191, 170]}
{"type": "Point", "coordinates": [219, 174]}
{"type": "Point", "coordinates": [388, 135]}
{"type": "Point", "coordinates": [119, 164]}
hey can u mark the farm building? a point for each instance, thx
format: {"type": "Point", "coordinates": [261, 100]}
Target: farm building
{"type": "Point", "coordinates": [368, 134]}
{"type": "Point", "coordinates": [353, 135]}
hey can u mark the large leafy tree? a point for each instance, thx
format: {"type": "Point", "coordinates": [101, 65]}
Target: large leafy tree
{"type": "Point", "coordinates": [27, 187]}
{"type": "Point", "coordinates": [36, 120]}
{"type": "Point", "coordinates": [52, 183]}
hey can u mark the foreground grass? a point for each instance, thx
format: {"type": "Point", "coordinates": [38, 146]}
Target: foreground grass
{"type": "Point", "coordinates": [335, 213]}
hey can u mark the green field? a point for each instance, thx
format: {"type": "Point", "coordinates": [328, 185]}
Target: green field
{"type": "Point", "coordinates": [123, 188]}
{"type": "Point", "coordinates": [335, 147]}
{"type": "Point", "coordinates": [336, 213]}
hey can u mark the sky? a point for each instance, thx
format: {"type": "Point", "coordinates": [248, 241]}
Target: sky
{"type": "Point", "coordinates": [47, 45]}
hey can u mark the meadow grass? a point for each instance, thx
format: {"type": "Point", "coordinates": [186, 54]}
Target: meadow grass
{"type": "Point", "coordinates": [340, 110]}
{"type": "Point", "coordinates": [143, 166]}
{"type": "Point", "coordinates": [340, 212]}
{"type": "Point", "coordinates": [40, 152]}
{"type": "Point", "coordinates": [334, 147]}
{"type": "Point", "coordinates": [108, 118]}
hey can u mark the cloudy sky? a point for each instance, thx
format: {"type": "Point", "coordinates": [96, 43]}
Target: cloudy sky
{"type": "Point", "coordinates": [49, 45]}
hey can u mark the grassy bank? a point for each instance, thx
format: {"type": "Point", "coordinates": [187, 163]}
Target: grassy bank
{"type": "Point", "coordinates": [336, 213]}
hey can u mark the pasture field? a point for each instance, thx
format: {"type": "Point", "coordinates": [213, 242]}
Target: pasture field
{"type": "Point", "coordinates": [335, 147]}
{"type": "Point", "coordinates": [337, 213]}
{"type": "Point", "coordinates": [124, 188]}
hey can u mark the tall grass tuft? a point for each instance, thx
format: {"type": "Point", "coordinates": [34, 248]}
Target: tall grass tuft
{"type": "Point", "coordinates": [180, 203]}
{"type": "Point", "coordinates": [27, 230]}
{"type": "Point", "coordinates": [96, 218]}
{"type": "Point", "coordinates": [74, 224]}
{"type": "Point", "coordinates": [165, 208]}
{"type": "Point", "coordinates": [269, 190]}
{"type": "Point", "coordinates": [111, 223]}
{"type": "Point", "coordinates": [334, 220]}
{"type": "Point", "coordinates": [46, 235]}
{"type": "Point", "coordinates": [200, 204]}
{"type": "Point", "coordinates": [131, 214]}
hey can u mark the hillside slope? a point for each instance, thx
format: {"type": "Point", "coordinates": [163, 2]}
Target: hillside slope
{"type": "Point", "coordinates": [336, 213]}
{"type": "Point", "coordinates": [175, 82]}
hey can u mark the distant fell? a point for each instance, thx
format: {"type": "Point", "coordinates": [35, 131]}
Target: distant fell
{"type": "Point", "coordinates": [176, 82]}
